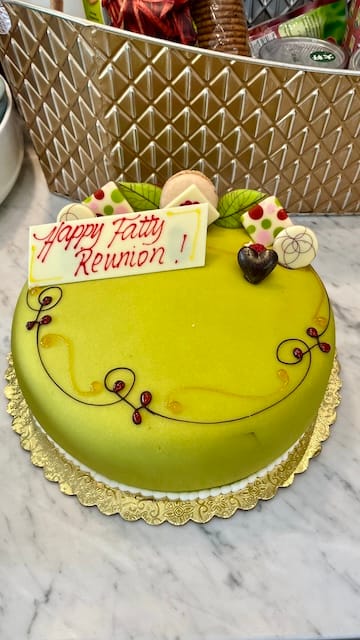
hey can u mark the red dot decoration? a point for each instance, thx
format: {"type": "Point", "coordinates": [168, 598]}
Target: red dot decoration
{"type": "Point", "coordinates": [119, 385]}
{"type": "Point", "coordinates": [46, 300]}
{"type": "Point", "coordinates": [325, 347]}
{"type": "Point", "coordinates": [298, 353]}
{"type": "Point", "coordinates": [312, 332]}
{"type": "Point", "coordinates": [30, 325]}
{"type": "Point", "coordinates": [282, 214]}
{"type": "Point", "coordinates": [45, 320]}
{"type": "Point", "coordinates": [145, 398]}
{"type": "Point", "coordinates": [186, 202]}
{"type": "Point", "coordinates": [256, 212]}
{"type": "Point", "coordinates": [259, 248]}
{"type": "Point", "coordinates": [136, 417]}
{"type": "Point", "coordinates": [99, 194]}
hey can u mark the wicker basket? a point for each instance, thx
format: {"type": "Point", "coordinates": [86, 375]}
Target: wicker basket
{"type": "Point", "coordinates": [104, 104]}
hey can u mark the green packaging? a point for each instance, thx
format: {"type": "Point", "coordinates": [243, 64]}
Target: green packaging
{"type": "Point", "coordinates": [95, 12]}
{"type": "Point", "coordinates": [327, 22]}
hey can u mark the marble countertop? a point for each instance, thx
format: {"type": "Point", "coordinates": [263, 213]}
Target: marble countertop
{"type": "Point", "coordinates": [288, 569]}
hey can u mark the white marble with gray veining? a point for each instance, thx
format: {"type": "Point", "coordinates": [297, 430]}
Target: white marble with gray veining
{"type": "Point", "coordinates": [288, 569]}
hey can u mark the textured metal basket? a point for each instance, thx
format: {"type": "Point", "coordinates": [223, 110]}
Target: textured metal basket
{"type": "Point", "coordinates": [261, 10]}
{"type": "Point", "coordinates": [104, 104]}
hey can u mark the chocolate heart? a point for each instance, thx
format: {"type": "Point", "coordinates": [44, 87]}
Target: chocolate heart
{"type": "Point", "coordinates": [255, 264]}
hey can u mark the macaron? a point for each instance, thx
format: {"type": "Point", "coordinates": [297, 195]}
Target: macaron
{"type": "Point", "coordinates": [180, 181]}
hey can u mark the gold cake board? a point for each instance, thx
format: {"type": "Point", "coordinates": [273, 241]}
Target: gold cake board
{"type": "Point", "coordinates": [90, 492]}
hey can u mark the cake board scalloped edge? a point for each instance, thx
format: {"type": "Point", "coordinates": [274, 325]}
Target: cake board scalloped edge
{"type": "Point", "coordinates": [72, 480]}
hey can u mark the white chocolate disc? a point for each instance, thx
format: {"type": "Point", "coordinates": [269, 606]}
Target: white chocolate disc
{"type": "Point", "coordinates": [180, 181]}
{"type": "Point", "coordinates": [75, 211]}
{"type": "Point", "coordinates": [296, 246]}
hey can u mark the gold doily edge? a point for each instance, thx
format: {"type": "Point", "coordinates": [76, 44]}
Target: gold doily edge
{"type": "Point", "coordinates": [131, 507]}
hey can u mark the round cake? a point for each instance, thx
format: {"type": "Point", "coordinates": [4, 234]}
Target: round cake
{"type": "Point", "coordinates": [182, 380]}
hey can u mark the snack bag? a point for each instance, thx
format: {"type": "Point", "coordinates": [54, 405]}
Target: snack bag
{"type": "Point", "coordinates": [352, 35]}
{"type": "Point", "coordinates": [169, 19]}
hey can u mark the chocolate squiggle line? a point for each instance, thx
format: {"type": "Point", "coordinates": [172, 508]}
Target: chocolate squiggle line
{"type": "Point", "coordinates": [41, 298]}
{"type": "Point", "coordinates": [123, 397]}
{"type": "Point", "coordinates": [47, 301]}
{"type": "Point", "coordinates": [119, 385]}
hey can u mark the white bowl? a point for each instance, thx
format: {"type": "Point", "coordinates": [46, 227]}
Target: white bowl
{"type": "Point", "coordinates": [11, 147]}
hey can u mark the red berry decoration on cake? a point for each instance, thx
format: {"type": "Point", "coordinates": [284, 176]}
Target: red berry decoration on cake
{"type": "Point", "coordinates": [136, 417]}
{"type": "Point", "coordinates": [145, 398]}
{"type": "Point", "coordinates": [119, 385]}
{"type": "Point", "coordinates": [259, 248]}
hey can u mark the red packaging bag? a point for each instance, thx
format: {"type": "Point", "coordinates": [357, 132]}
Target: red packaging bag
{"type": "Point", "coordinates": [169, 19]}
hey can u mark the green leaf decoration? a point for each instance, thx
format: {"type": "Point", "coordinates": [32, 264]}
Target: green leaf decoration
{"type": "Point", "coordinates": [141, 196]}
{"type": "Point", "coordinates": [233, 205]}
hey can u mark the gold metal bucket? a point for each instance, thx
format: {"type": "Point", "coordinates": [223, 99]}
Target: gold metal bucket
{"type": "Point", "coordinates": [102, 104]}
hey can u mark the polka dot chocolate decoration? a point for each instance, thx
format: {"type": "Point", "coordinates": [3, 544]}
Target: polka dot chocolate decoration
{"type": "Point", "coordinates": [264, 221]}
{"type": "Point", "coordinates": [108, 201]}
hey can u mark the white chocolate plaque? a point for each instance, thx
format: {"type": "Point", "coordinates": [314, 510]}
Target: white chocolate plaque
{"type": "Point", "coordinates": [119, 245]}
